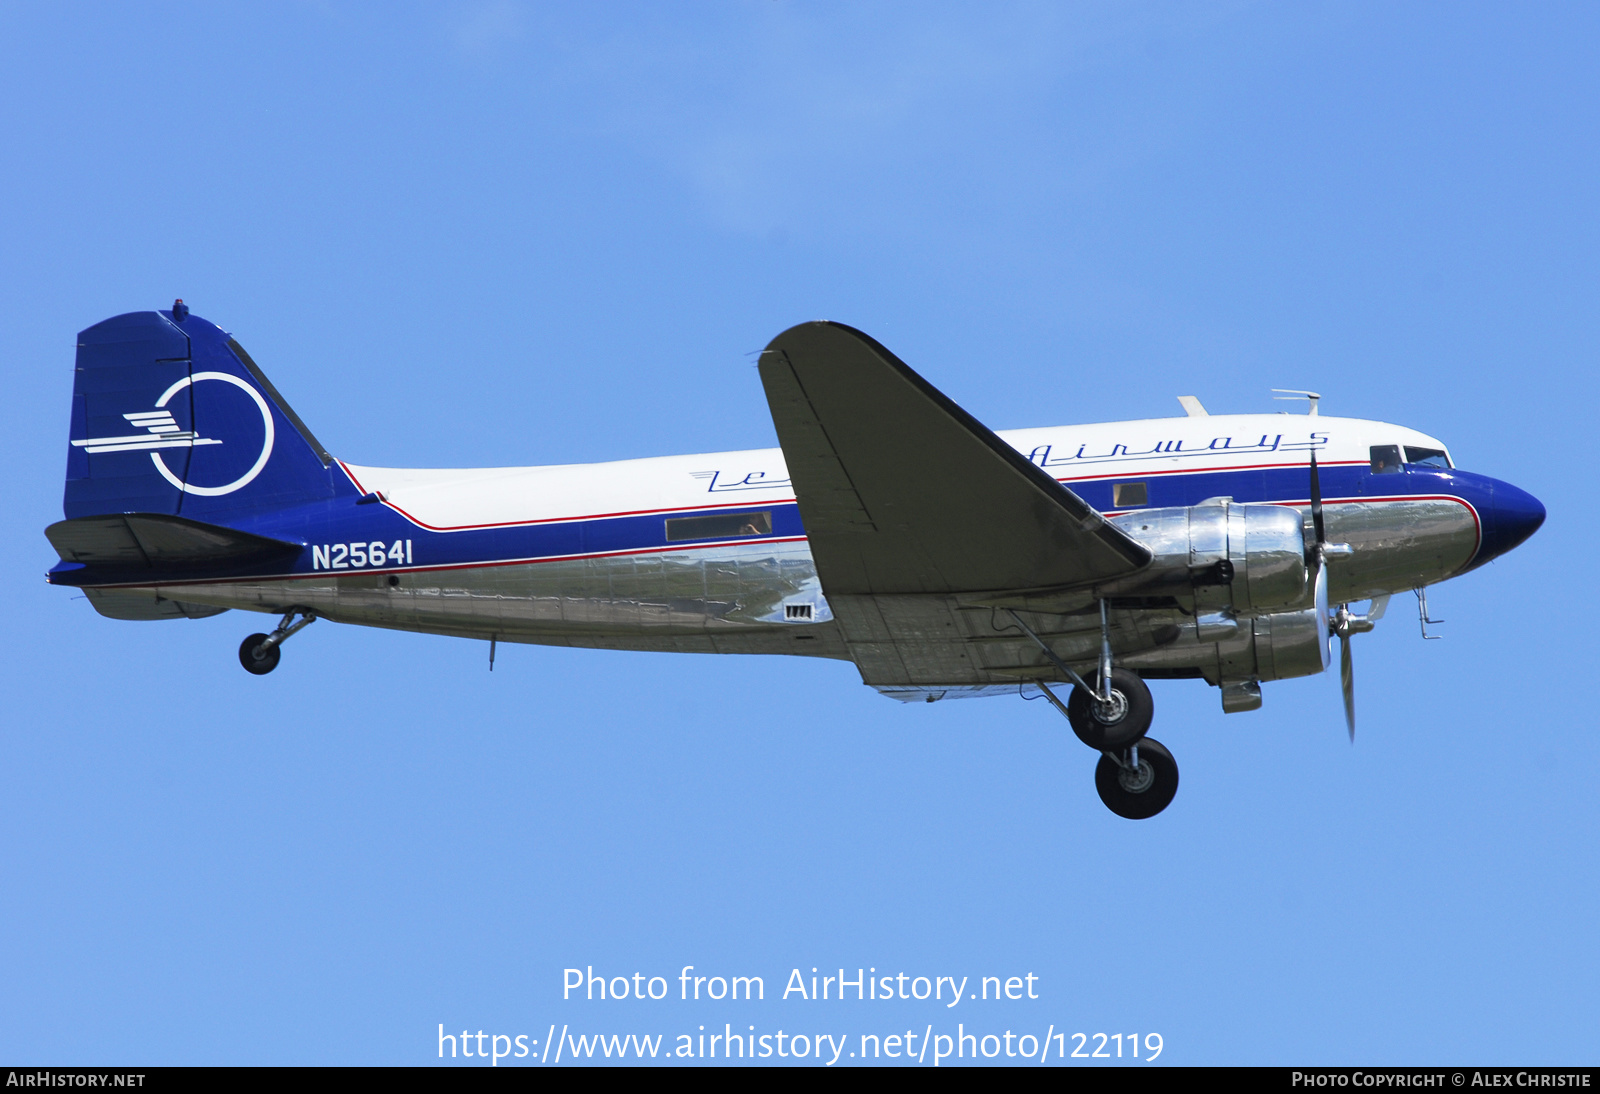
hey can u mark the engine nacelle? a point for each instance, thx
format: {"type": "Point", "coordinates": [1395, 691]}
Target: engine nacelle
{"type": "Point", "coordinates": [1222, 556]}
{"type": "Point", "coordinates": [1282, 646]}
{"type": "Point", "coordinates": [1273, 646]}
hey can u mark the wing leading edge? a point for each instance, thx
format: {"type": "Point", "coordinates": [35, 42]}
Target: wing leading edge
{"type": "Point", "coordinates": [903, 492]}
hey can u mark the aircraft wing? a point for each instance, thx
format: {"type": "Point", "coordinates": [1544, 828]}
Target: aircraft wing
{"type": "Point", "coordinates": [903, 492]}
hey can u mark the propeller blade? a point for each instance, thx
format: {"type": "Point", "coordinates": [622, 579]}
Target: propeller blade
{"type": "Point", "coordinates": [1321, 601]}
{"type": "Point", "coordinates": [1347, 680]}
{"type": "Point", "coordinates": [1316, 502]}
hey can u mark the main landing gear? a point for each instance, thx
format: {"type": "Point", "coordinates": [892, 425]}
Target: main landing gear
{"type": "Point", "coordinates": [1136, 777]}
{"type": "Point", "coordinates": [260, 653]}
{"type": "Point", "coordinates": [1111, 720]}
{"type": "Point", "coordinates": [1138, 783]}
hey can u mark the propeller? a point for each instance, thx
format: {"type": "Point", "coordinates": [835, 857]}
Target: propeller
{"type": "Point", "coordinates": [1343, 622]}
{"type": "Point", "coordinates": [1347, 672]}
{"type": "Point", "coordinates": [1346, 623]}
{"type": "Point", "coordinates": [1317, 558]}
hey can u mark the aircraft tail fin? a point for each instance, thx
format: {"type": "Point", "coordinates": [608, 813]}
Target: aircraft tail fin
{"type": "Point", "coordinates": [170, 416]}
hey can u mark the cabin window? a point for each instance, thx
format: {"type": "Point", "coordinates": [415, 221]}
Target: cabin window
{"type": "Point", "coordinates": [1427, 457]}
{"type": "Point", "coordinates": [719, 526]}
{"type": "Point", "coordinates": [1129, 495]}
{"type": "Point", "coordinates": [1385, 459]}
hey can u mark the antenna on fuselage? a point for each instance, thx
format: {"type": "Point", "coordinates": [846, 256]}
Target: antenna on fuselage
{"type": "Point", "coordinates": [1289, 394]}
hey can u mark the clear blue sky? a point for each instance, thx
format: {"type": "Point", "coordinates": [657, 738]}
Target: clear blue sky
{"type": "Point", "coordinates": [518, 233]}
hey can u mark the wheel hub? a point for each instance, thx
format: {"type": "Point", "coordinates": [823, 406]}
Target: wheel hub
{"type": "Point", "coordinates": [1136, 780]}
{"type": "Point", "coordinates": [1112, 712]}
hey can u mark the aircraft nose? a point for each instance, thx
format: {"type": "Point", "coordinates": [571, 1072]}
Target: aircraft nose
{"type": "Point", "coordinates": [1513, 516]}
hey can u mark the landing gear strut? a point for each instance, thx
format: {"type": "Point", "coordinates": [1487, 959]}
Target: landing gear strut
{"type": "Point", "coordinates": [1136, 777]}
{"type": "Point", "coordinates": [260, 653]}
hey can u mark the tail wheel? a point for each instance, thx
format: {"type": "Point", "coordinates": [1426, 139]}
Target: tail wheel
{"type": "Point", "coordinates": [259, 665]}
{"type": "Point", "coordinates": [1113, 726]}
{"type": "Point", "coordinates": [1138, 787]}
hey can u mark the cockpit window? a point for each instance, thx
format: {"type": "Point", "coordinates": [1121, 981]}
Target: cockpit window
{"type": "Point", "coordinates": [1385, 459]}
{"type": "Point", "coordinates": [1427, 457]}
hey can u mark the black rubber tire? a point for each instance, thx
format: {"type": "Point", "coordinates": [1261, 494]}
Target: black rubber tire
{"type": "Point", "coordinates": [1118, 735]}
{"type": "Point", "coordinates": [1142, 804]}
{"type": "Point", "coordinates": [258, 666]}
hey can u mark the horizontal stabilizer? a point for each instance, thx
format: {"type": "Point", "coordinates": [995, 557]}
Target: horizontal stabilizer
{"type": "Point", "coordinates": [145, 605]}
{"type": "Point", "coordinates": [902, 491]}
{"type": "Point", "coordinates": [157, 542]}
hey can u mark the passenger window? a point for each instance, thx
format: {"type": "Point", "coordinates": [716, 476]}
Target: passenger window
{"type": "Point", "coordinates": [1427, 457]}
{"type": "Point", "coordinates": [1129, 495]}
{"type": "Point", "coordinates": [1385, 459]}
{"type": "Point", "coordinates": [719, 526]}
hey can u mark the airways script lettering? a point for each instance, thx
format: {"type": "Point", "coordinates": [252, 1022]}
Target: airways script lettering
{"type": "Point", "coordinates": [1049, 455]}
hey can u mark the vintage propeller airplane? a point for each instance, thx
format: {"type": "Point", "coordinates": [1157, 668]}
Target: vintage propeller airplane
{"type": "Point", "coordinates": [892, 530]}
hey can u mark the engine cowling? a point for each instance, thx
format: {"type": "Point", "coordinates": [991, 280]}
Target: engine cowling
{"type": "Point", "coordinates": [1223, 556]}
{"type": "Point", "coordinates": [1282, 646]}
{"type": "Point", "coordinates": [1272, 646]}
{"type": "Point", "coordinates": [1239, 573]}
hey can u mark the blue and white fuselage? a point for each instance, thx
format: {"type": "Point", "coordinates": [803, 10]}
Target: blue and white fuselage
{"type": "Point", "coordinates": [193, 488]}
{"type": "Point", "coordinates": [608, 555]}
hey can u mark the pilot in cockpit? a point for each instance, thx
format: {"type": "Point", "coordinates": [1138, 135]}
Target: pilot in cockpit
{"type": "Point", "coordinates": [1385, 459]}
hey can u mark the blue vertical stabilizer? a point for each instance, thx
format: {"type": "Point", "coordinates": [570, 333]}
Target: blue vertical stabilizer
{"type": "Point", "coordinates": [170, 416]}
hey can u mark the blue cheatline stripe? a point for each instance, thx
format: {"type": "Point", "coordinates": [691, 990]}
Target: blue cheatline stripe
{"type": "Point", "coordinates": [341, 522]}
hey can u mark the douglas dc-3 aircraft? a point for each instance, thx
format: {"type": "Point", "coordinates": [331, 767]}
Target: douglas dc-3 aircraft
{"type": "Point", "coordinates": [892, 530]}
